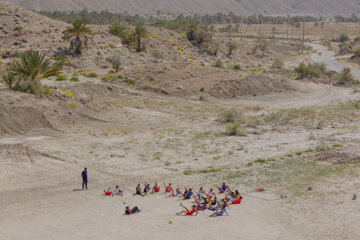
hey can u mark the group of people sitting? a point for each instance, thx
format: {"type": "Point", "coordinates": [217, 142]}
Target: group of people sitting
{"type": "Point", "coordinates": [203, 200]}
{"type": "Point", "coordinates": [209, 201]}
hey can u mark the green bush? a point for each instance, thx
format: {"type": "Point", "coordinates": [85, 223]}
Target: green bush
{"type": "Point", "coordinates": [237, 67]}
{"type": "Point", "coordinates": [73, 105]}
{"type": "Point", "coordinates": [61, 78]}
{"type": "Point", "coordinates": [92, 75]}
{"type": "Point", "coordinates": [311, 70]}
{"type": "Point", "coordinates": [357, 51]}
{"type": "Point", "coordinates": [116, 65]}
{"type": "Point", "coordinates": [25, 74]}
{"type": "Point", "coordinates": [219, 63]}
{"type": "Point", "coordinates": [231, 46]}
{"type": "Point", "coordinates": [344, 77]}
{"type": "Point", "coordinates": [74, 78]}
{"type": "Point", "coordinates": [235, 129]}
{"type": "Point", "coordinates": [278, 63]}
{"type": "Point", "coordinates": [229, 116]}
{"type": "Point", "coordinates": [116, 29]}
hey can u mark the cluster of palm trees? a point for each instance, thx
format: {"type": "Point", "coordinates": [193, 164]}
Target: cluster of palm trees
{"type": "Point", "coordinates": [26, 73]}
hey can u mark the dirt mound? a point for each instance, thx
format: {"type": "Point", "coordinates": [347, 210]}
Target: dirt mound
{"type": "Point", "coordinates": [18, 120]}
{"type": "Point", "coordinates": [18, 153]}
{"type": "Point", "coordinates": [344, 156]}
{"type": "Point", "coordinates": [185, 79]}
{"type": "Point", "coordinates": [250, 86]}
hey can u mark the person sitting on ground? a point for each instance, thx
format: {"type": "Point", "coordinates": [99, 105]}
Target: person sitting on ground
{"type": "Point", "coordinates": [185, 192]}
{"type": "Point", "coordinates": [138, 191]}
{"type": "Point", "coordinates": [223, 203]}
{"type": "Point", "coordinates": [238, 198]}
{"type": "Point", "coordinates": [176, 193]}
{"type": "Point", "coordinates": [108, 192]}
{"type": "Point", "coordinates": [132, 211]}
{"type": "Point", "coordinates": [200, 206]}
{"type": "Point", "coordinates": [187, 211]}
{"type": "Point", "coordinates": [211, 194]}
{"type": "Point", "coordinates": [219, 212]}
{"type": "Point", "coordinates": [223, 188]}
{"type": "Point", "coordinates": [229, 196]}
{"type": "Point", "coordinates": [147, 188]}
{"type": "Point", "coordinates": [168, 189]}
{"type": "Point", "coordinates": [155, 189]}
{"type": "Point", "coordinates": [117, 191]}
{"type": "Point", "coordinates": [189, 194]}
{"type": "Point", "coordinates": [201, 191]}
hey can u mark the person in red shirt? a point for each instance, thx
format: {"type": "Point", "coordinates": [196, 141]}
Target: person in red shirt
{"type": "Point", "coordinates": [168, 189]}
{"type": "Point", "coordinates": [187, 211]}
{"type": "Point", "coordinates": [155, 189]}
{"type": "Point", "coordinates": [108, 192]}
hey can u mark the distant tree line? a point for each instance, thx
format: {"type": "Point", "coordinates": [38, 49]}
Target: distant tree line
{"type": "Point", "coordinates": [181, 21]}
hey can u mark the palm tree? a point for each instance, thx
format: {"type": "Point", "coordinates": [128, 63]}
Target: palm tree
{"type": "Point", "coordinates": [78, 35]}
{"type": "Point", "coordinates": [32, 67]}
{"type": "Point", "coordinates": [140, 32]}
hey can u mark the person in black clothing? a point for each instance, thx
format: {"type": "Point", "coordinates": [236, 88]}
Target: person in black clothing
{"type": "Point", "coordinates": [132, 211]}
{"type": "Point", "coordinates": [84, 177]}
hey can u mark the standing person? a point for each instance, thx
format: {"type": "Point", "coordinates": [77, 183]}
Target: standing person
{"type": "Point", "coordinates": [84, 177]}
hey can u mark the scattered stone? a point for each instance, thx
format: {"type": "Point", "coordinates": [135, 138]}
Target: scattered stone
{"type": "Point", "coordinates": [180, 87]}
{"type": "Point", "coordinates": [24, 40]}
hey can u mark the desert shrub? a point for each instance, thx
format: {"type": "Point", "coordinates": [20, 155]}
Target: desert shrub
{"type": "Point", "coordinates": [18, 28]}
{"type": "Point", "coordinates": [92, 75]}
{"type": "Point", "coordinates": [74, 77]}
{"type": "Point", "coordinates": [73, 105]}
{"type": "Point", "coordinates": [235, 129]}
{"type": "Point", "coordinates": [229, 116]}
{"type": "Point", "coordinates": [219, 63]}
{"type": "Point", "coordinates": [211, 170]}
{"type": "Point", "coordinates": [278, 63]}
{"type": "Point", "coordinates": [11, 81]}
{"type": "Point", "coordinates": [116, 66]}
{"type": "Point", "coordinates": [357, 51]}
{"type": "Point", "coordinates": [25, 75]}
{"type": "Point", "coordinates": [231, 46]}
{"type": "Point", "coordinates": [116, 29]}
{"type": "Point", "coordinates": [200, 36]}
{"type": "Point", "coordinates": [237, 67]}
{"type": "Point", "coordinates": [61, 78]}
{"type": "Point", "coordinates": [343, 37]}
{"type": "Point", "coordinates": [344, 77]}
{"type": "Point", "coordinates": [311, 70]}
{"type": "Point", "coordinates": [157, 53]}
{"type": "Point", "coordinates": [128, 37]}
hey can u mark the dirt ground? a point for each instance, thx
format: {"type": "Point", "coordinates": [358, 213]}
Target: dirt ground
{"type": "Point", "coordinates": [161, 122]}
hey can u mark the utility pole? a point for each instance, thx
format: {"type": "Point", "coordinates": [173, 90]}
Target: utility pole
{"type": "Point", "coordinates": [303, 38]}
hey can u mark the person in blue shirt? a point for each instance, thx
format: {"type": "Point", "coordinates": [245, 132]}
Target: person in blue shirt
{"type": "Point", "coordinates": [84, 177]}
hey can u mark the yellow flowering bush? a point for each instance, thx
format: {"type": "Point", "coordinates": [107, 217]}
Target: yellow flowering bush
{"type": "Point", "coordinates": [69, 94]}
{"type": "Point", "coordinates": [49, 91]}
{"type": "Point", "coordinates": [111, 75]}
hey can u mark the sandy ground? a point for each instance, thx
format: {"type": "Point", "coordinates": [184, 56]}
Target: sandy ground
{"type": "Point", "coordinates": [129, 133]}
{"type": "Point", "coordinates": [42, 200]}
